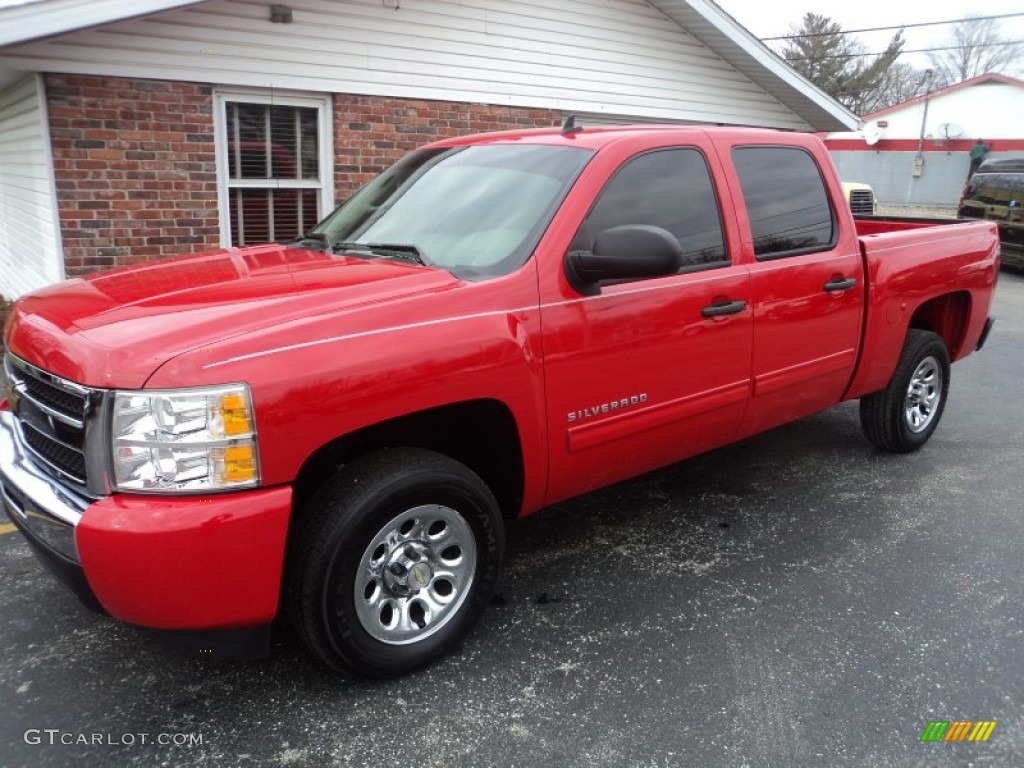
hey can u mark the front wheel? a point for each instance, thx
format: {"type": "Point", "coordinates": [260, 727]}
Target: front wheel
{"type": "Point", "coordinates": [392, 562]}
{"type": "Point", "coordinates": [902, 417]}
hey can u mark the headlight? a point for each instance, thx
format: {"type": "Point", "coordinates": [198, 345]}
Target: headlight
{"type": "Point", "coordinates": [185, 440]}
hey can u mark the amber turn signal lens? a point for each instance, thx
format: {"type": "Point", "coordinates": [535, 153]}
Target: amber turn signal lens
{"type": "Point", "coordinates": [239, 464]}
{"type": "Point", "coordinates": [236, 414]}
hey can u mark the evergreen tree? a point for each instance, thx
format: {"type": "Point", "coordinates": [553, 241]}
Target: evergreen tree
{"type": "Point", "coordinates": [820, 51]}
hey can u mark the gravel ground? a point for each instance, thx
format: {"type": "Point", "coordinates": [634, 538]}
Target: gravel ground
{"type": "Point", "coordinates": [918, 211]}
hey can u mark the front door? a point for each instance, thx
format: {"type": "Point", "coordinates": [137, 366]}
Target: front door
{"type": "Point", "coordinates": [648, 372]}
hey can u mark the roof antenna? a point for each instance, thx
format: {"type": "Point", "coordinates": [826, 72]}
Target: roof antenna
{"type": "Point", "coordinates": [569, 127]}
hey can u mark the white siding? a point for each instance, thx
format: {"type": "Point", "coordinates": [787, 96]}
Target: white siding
{"type": "Point", "coordinates": [987, 110]}
{"type": "Point", "coordinates": [27, 20]}
{"type": "Point", "coordinates": [30, 250]}
{"type": "Point", "coordinates": [595, 56]}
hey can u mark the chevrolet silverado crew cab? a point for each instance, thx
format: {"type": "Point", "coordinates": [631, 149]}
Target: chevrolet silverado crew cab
{"type": "Point", "coordinates": [337, 429]}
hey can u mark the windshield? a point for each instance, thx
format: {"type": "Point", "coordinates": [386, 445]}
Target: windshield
{"type": "Point", "coordinates": [476, 211]}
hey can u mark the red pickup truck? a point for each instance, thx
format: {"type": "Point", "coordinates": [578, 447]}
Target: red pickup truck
{"type": "Point", "coordinates": [337, 429]}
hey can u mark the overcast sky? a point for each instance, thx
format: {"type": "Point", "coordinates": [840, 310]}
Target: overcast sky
{"type": "Point", "coordinates": [775, 17]}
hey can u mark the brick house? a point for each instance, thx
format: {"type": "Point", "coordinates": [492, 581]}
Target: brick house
{"type": "Point", "coordinates": [133, 131]}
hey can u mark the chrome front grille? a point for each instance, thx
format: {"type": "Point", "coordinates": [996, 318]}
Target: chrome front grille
{"type": "Point", "coordinates": [68, 460]}
{"type": "Point", "coordinates": [57, 402]}
{"type": "Point", "coordinates": [862, 202]}
{"type": "Point", "coordinates": [52, 414]}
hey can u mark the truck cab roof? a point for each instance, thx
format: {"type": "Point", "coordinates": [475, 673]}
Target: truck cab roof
{"type": "Point", "coordinates": [599, 137]}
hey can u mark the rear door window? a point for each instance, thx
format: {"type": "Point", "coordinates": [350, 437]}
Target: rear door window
{"type": "Point", "coordinates": [787, 203]}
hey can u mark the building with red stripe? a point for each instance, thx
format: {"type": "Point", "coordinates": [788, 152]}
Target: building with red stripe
{"type": "Point", "coordinates": [918, 152]}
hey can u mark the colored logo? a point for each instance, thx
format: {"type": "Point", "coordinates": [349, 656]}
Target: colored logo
{"type": "Point", "coordinates": [958, 730]}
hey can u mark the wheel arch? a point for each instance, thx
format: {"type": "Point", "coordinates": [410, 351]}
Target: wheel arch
{"type": "Point", "coordinates": [482, 434]}
{"type": "Point", "coordinates": [948, 316]}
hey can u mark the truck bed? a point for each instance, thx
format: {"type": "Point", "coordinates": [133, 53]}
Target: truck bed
{"type": "Point", "coordinates": [909, 264]}
{"type": "Point", "coordinates": [877, 225]}
{"type": "Point", "coordinates": [1011, 253]}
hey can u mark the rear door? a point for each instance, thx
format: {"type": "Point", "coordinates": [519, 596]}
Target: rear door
{"type": "Point", "coordinates": [807, 282]}
{"type": "Point", "coordinates": [640, 374]}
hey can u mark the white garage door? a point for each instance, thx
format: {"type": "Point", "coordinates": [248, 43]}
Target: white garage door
{"type": "Point", "coordinates": [30, 248]}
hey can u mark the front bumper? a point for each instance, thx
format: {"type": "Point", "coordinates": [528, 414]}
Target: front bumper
{"type": "Point", "coordinates": [187, 564]}
{"type": "Point", "coordinates": [33, 499]}
{"type": "Point", "coordinates": [44, 511]}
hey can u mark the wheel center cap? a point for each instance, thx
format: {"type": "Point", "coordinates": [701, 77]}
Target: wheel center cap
{"type": "Point", "coordinates": [419, 576]}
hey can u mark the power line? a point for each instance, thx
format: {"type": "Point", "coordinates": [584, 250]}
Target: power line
{"type": "Point", "coordinates": [912, 50]}
{"type": "Point", "coordinates": [895, 26]}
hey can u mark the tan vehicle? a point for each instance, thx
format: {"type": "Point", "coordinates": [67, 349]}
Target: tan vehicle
{"type": "Point", "coordinates": [860, 197]}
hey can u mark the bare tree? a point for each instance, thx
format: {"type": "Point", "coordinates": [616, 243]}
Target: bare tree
{"type": "Point", "coordinates": [976, 48]}
{"type": "Point", "coordinates": [900, 83]}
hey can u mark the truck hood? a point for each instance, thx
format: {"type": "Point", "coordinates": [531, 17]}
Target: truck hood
{"type": "Point", "coordinates": [113, 329]}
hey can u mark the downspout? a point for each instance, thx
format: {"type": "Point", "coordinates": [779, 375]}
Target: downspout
{"type": "Point", "coordinates": [919, 160]}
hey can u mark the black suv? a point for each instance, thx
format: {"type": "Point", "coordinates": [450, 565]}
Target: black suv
{"type": "Point", "coordinates": [996, 192]}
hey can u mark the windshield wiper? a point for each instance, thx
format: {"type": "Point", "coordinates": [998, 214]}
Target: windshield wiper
{"type": "Point", "coordinates": [393, 250]}
{"type": "Point", "coordinates": [402, 250]}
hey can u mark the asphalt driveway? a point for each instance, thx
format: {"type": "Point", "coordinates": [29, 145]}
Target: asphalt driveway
{"type": "Point", "coordinates": [796, 599]}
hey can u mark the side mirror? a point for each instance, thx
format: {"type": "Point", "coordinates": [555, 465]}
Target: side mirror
{"type": "Point", "coordinates": [622, 253]}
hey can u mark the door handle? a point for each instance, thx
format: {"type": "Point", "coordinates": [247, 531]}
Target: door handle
{"type": "Point", "coordinates": [840, 284]}
{"type": "Point", "coordinates": [720, 308]}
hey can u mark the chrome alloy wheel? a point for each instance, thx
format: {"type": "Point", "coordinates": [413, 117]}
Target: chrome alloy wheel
{"type": "Point", "coordinates": [415, 574]}
{"type": "Point", "coordinates": [923, 395]}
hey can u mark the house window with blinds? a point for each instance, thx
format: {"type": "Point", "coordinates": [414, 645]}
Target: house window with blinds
{"type": "Point", "coordinates": [274, 166]}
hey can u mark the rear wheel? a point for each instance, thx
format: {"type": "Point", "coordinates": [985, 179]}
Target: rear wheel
{"type": "Point", "coordinates": [392, 562]}
{"type": "Point", "coordinates": [902, 417]}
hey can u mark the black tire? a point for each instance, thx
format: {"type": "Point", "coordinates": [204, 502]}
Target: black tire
{"type": "Point", "coordinates": [887, 417]}
{"type": "Point", "coordinates": [332, 539]}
